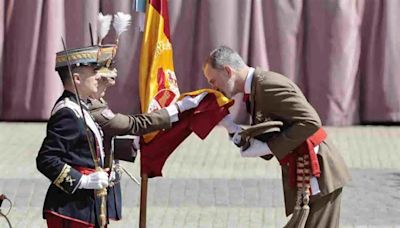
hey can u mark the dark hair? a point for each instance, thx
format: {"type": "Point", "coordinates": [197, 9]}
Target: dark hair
{"type": "Point", "coordinates": [224, 55]}
{"type": "Point", "coordinates": [64, 74]}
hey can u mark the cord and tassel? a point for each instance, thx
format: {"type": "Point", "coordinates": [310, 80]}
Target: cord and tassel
{"type": "Point", "coordinates": [302, 208]}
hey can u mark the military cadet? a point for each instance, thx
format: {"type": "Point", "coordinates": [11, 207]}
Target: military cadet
{"type": "Point", "coordinates": [73, 145]}
{"type": "Point", "coordinates": [72, 155]}
{"type": "Point", "coordinates": [313, 171]}
{"type": "Point", "coordinates": [114, 124]}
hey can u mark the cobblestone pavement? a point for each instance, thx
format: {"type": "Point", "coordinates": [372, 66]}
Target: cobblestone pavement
{"type": "Point", "coordinates": [207, 183]}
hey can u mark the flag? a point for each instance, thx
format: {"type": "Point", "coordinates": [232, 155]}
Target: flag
{"type": "Point", "coordinates": [200, 120]}
{"type": "Point", "coordinates": [158, 87]}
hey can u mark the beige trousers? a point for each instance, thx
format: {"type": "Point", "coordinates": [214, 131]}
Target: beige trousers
{"type": "Point", "coordinates": [325, 211]}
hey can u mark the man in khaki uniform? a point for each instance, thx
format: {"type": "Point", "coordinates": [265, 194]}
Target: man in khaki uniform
{"type": "Point", "coordinates": [273, 97]}
{"type": "Point", "coordinates": [120, 124]}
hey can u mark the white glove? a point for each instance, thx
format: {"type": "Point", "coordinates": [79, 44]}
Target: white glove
{"type": "Point", "coordinates": [229, 125]}
{"type": "Point", "coordinates": [136, 143]}
{"type": "Point", "coordinates": [257, 148]}
{"type": "Point", "coordinates": [232, 128]}
{"type": "Point", "coordinates": [96, 180]}
{"type": "Point", "coordinates": [189, 102]}
{"type": "Point", "coordinates": [236, 138]}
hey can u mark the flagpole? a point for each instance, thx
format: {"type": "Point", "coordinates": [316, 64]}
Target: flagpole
{"type": "Point", "coordinates": [149, 65]}
{"type": "Point", "coordinates": [142, 6]}
{"type": "Point", "coordinates": [143, 200]}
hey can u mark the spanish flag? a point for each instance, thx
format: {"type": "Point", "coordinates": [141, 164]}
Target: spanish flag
{"type": "Point", "coordinates": [200, 120]}
{"type": "Point", "coordinates": [158, 87]}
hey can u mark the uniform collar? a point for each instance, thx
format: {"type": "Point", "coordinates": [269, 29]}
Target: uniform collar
{"type": "Point", "coordinates": [72, 97]}
{"type": "Point", "coordinates": [249, 79]}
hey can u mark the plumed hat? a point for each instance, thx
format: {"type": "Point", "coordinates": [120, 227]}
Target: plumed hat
{"type": "Point", "coordinates": [99, 56]}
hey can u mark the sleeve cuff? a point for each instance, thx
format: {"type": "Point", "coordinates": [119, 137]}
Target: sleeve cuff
{"type": "Point", "coordinates": [173, 113]}
{"type": "Point", "coordinates": [68, 179]}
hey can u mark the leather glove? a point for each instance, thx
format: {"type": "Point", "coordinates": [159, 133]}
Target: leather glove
{"type": "Point", "coordinates": [257, 148]}
{"type": "Point", "coordinates": [189, 102]}
{"type": "Point", "coordinates": [96, 180]}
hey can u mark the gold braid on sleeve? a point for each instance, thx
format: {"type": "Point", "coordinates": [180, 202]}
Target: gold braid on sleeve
{"type": "Point", "coordinates": [61, 177]}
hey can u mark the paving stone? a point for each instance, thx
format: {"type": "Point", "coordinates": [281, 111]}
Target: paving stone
{"type": "Point", "coordinates": [207, 183]}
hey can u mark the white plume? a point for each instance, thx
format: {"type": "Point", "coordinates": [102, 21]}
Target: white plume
{"type": "Point", "coordinates": [103, 26]}
{"type": "Point", "coordinates": [121, 22]}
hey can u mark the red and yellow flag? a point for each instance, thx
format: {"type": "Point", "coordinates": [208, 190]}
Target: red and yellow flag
{"type": "Point", "coordinates": [200, 120]}
{"type": "Point", "coordinates": [158, 88]}
{"type": "Point", "coordinates": [157, 81]}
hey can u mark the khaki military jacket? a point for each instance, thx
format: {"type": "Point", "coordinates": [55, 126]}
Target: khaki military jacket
{"type": "Point", "coordinates": [275, 97]}
{"type": "Point", "coordinates": [114, 124]}
{"type": "Point", "coordinates": [119, 124]}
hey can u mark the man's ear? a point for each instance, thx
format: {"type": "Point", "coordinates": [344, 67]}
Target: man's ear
{"type": "Point", "coordinates": [76, 78]}
{"type": "Point", "coordinates": [228, 70]}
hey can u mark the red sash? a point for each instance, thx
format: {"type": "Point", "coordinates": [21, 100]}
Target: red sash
{"type": "Point", "coordinates": [305, 148]}
{"type": "Point", "coordinates": [55, 220]}
{"type": "Point", "coordinates": [84, 170]}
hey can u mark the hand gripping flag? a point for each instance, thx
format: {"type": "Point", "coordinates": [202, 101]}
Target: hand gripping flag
{"type": "Point", "coordinates": [200, 120]}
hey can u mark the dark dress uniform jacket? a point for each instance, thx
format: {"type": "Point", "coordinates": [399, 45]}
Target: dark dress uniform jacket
{"type": "Point", "coordinates": [65, 147]}
{"type": "Point", "coordinates": [119, 124]}
{"type": "Point", "coordinates": [275, 97]}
